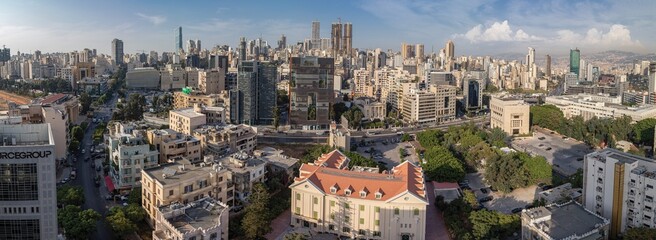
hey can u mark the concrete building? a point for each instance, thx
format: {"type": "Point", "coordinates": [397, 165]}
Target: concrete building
{"type": "Point", "coordinates": [256, 93]}
{"type": "Point", "coordinates": [561, 194]}
{"type": "Point", "coordinates": [187, 100]}
{"type": "Point", "coordinates": [180, 181]}
{"type": "Point", "coordinates": [221, 140]}
{"type": "Point", "coordinates": [339, 137]}
{"type": "Point", "coordinates": [142, 78]}
{"type": "Point", "coordinates": [327, 197]}
{"type": "Point", "coordinates": [94, 86]}
{"type": "Point", "coordinates": [620, 187]}
{"type": "Point", "coordinates": [311, 92]}
{"type": "Point", "coordinates": [185, 120]}
{"type": "Point", "coordinates": [473, 94]}
{"type": "Point", "coordinates": [246, 170]}
{"type": "Point", "coordinates": [566, 221]}
{"type": "Point", "coordinates": [28, 192]}
{"type": "Point", "coordinates": [278, 164]}
{"type": "Point", "coordinates": [172, 77]}
{"type": "Point", "coordinates": [117, 51]}
{"type": "Point", "coordinates": [211, 81]}
{"type": "Point", "coordinates": [432, 106]}
{"type": "Point", "coordinates": [510, 115]}
{"type": "Point", "coordinates": [171, 144]}
{"type": "Point", "coordinates": [589, 106]}
{"type": "Point", "coordinates": [202, 219]}
{"type": "Point", "coordinates": [59, 126]}
{"type": "Point", "coordinates": [129, 154]}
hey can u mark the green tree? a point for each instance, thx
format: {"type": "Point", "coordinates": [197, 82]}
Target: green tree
{"type": "Point", "coordinates": [74, 146]}
{"type": "Point", "coordinates": [429, 138]}
{"type": "Point", "coordinates": [546, 116]}
{"type": "Point", "coordinates": [276, 117]}
{"type": "Point", "coordinates": [77, 224]}
{"type": "Point", "coordinates": [78, 133]}
{"type": "Point", "coordinates": [134, 212]}
{"type": "Point", "coordinates": [642, 233]}
{"type": "Point", "coordinates": [493, 225]}
{"type": "Point", "coordinates": [295, 236]}
{"type": "Point", "coordinates": [282, 98]}
{"type": "Point", "coordinates": [135, 196]}
{"type": "Point", "coordinates": [470, 198]}
{"type": "Point", "coordinates": [497, 137]}
{"type": "Point", "coordinates": [442, 166]}
{"type": "Point", "coordinates": [478, 153]}
{"type": "Point", "coordinates": [338, 109]}
{"type": "Point", "coordinates": [506, 172]}
{"type": "Point", "coordinates": [85, 102]}
{"type": "Point", "coordinates": [68, 195]}
{"type": "Point", "coordinates": [643, 131]}
{"type": "Point", "coordinates": [120, 223]}
{"type": "Point", "coordinates": [406, 137]}
{"type": "Point", "coordinates": [314, 152]}
{"type": "Point", "coordinates": [256, 222]}
{"type": "Point", "coordinates": [538, 168]}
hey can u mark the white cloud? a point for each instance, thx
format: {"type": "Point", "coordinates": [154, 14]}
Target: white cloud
{"type": "Point", "coordinates": [617, 36]}
{"type": "Point", "coordinates": [154, 19]}
{"type": "Point", "coordinates": [497, 32]}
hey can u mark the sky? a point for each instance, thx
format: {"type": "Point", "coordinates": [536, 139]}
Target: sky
{"type": "Point", "coordinates": [478, 27]}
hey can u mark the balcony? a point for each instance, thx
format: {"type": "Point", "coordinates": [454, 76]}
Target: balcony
{"type": "Point", "coordinates": [631, 204]}
{"type": "Point", "coordinates": [649, 200]}
{"type": "Point", "coordinates": [631, 184]}
{"type": "Point", "coordinates": [600, 171]}
{"type": "Point", "coordinates": [600, 181]}
{"type": "Point", "coordinates": [632, 193]}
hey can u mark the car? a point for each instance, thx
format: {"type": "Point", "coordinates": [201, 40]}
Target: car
{"type": "Point", "coordinates": [579, 159]}
{"type": "Point", "coordinates": [65, 180]}
{"type": "Point", "coordinates": [83, 151]}
{"type": "Point", "coordinates": [528, 206]}
{"type": "Point", "coordinates": [565, 138]}
{"type": "Point", "coordinates": [552, 132]}
{"type": "Point", "coordinates": [541, 138]}
{"type": "Point", "coordinates": [109, 197]}
{"type": "Point", "coordinates": [517, 210]}
{"type": "Point", "coordinates": [484, 191]}
{"type": "Point", "coordinates": [485, 199]}
{"type": "Point", "coordinates": [548, 149]}
{"type": "Point", "coordinates": [493, 189]}
{"type": "Point", "coordinates": [237, 208]}
{"type": "Point", "coordinates": [381, 162]}
{"type": "Point", "coordinates": [540, 145]}
{"type": "Point", "coordinates": [547, 187]}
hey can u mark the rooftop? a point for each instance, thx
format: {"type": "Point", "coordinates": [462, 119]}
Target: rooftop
{"type": "Point", "coordinates": [180, 170]}
{"type": "Point", "coordinates": [188, 112]}
{"type": "Point", "coordinates": [275, 157]}
{"type": "Point", "coordinates": [26, 134]}
{"type": "Point", "coordinates": [566, 220]}
{"type": "Point", "coordinates": [240, 162]}
{"type": "Point", "coordinates": [202, 214]}
{"type": "Point", "coordinates": [618, 155]}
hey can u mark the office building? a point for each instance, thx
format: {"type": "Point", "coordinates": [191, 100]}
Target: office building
{"type": "Point", "coordinates": [211, 81]}
{"type": "Point", "coordinates": [473, 94]}
{"type": "Point", "coordinates": [242, 49]}
{"type": "Point", "coordinates": [449, 50]}
{"type": "Point", "coordinates": [600, 106]}
{"type": "Point", "coordinates": [28, 193]}
{"type": "Point", "coordinates": [575, 61]}
{"type": "Point", "coordinates": [347, 41]}
{"type": "Point", "coordinates": [5, 54]}
{"type": "Point", "coordinates": [565, 221]}
{"type": "Point", "coordinates": [220, 140]}
{"type": "Point", "coordinates": [328, 197]}
{"type": "Point", "coordinates": [510, 115]}
{"type": "Point", "coordinates": [178, 39]}
{"type": "Point", "coordinates": [311, 92]}
{"type": "Point", "coordinates": [129, 153]}
{"type": "Point", "coordinates": [171, 144]}
{"type": "Point", "coordinates": [205, 218]}
{"type": "Point", "coordinates": [256, 93]}
{"type": "Point", "coordinates": [282, 43]}
{"type": "Point", "coordinates": [440, 78]}
{"type": "Point", "coordinates": [117, 51]}
{"type": "Point", "coordinates": [336, 38]}
{"type": "Point", "coordinates": [620, 187]}
{"type": "Point", "coordinates": [181, 181]}
{"type": "Point", "coordinates": [186, 120]}
{"type": "Point", "coordinates": [548, 68]}
{"type": "Point", "coordinates": [172, 77]}
{"type": "Point", "coordinates": [315, 41]}
{"type": "Point", "coordinates": [142, 79]}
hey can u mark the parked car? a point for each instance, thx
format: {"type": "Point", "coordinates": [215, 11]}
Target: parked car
{"type": "Point", "coordinates": [517, 210]}
{"type": "Point", "coordinates": [485, 199]}
{"type": "Point", "coordinates": [547, 187]}
{"type": "Point", "coordinates": [548, 149]}
{"type": "Point", "coordinates": [484, 191]}
{"type": "Point", "coordinates": [541, 138]}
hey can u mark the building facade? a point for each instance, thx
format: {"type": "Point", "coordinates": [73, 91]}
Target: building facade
{"type": "Point", "coordinates": [171, 144]}
{"type": "Point", "coordinates": [186, 120]}
{"type": "Point", "coordinates": [510, 115]}
{"type": "Point", "coordinates": [311, 92]}
{"type": "Point", "coordinates": [327, 197]}
{"type": "Point", "coordinates": [202, 219]}
{"type": "Point", "coordinates": [256, 87]}
{"type": "Point", "coordinates": [28, 195]}
{"type": "Point", "coordinates": [589, 106]}
{"type": "Point", "coordinates": [563, 221]}
{"type": "Point", "coordinates": [129, 154]}
{"type": "Point", "coordinates": [221, 140]}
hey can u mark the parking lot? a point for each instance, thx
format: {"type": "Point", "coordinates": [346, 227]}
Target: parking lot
{"type": "Point", "coordinates": [501, 202]}
{"type": "Point", "coordinates": [386, 150]}
{"type": "Point", "coordinates": [564, 154]}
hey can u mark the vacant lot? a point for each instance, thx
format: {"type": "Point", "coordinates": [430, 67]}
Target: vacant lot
{"type": "Point", "coordinates": [564, 154]}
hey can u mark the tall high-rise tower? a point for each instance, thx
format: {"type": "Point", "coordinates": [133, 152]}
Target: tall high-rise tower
{"type": "Point", "coordinates": [450, 50]}
{"type": "Point", "coordinates": [117, 51]}
{"type": "Point", "coordinates": [5, 54]}
{"type": "Point", "coordinates": [530, 58]}
{"type": "Point", "coordinates": [574, 60]}
{"type": "Point", "coordinates": [178, 39]}
{"type": "Point", "coordinates": [282, 43]}
{"type": "Point", "coordinates": [242, 49]}
{"type": "Point", "coordinates": [336, 37]}
{"type": "Point", "coordinates": [548, 70]}
{"type": "Point", "coordinates": [316, 31]}
{"type": "Point", "coordinates": [347, 43]}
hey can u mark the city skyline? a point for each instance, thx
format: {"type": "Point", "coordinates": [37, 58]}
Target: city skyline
{"type": "Point", "coordinates": [476, 27]}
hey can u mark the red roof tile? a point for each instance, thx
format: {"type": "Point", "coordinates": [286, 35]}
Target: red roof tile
{"type": "Point", "coordinates": [52, 98]}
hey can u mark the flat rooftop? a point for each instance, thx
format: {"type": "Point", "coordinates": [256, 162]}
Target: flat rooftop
{"type": "Point", "coordinates": [275, 156]}
{"type": "Point", "coordinates": [174, 174]}
{"type": "Point", "coordinates": [26, 134]}
{"type": "Point", "coordinates": [620, 156]}
{"type": "Point", "coordinates": [567, 220]}
{"type": "Point", "coordinates": [201, 214]}
{"type": "Point", "coordinates": [188, 112]}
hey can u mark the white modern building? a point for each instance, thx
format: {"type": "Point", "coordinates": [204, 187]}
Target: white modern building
{"type": "Point", "coordinates": [563, 221]}
{"type": "Point", "coordinates": [202, 219]}
{"type": "Point", "coordinates": [129, 154]}
{"type": "Point", "coordinates": [600, 106]}
{"type": "Point", "coordinates": [28, 195]}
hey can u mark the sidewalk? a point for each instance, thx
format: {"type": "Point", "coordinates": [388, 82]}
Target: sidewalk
{"type": "Point", "coordinates": [280, 226]}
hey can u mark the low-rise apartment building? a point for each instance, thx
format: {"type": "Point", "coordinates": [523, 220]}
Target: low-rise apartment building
{"type": "Point", "coordinates": [185, 120]}
{"type": "Point", "coordinates": [510, 115]}
{"type": "Point", "coordinates": [188, 99]}
{"type": "Point", "coordinates": [171, 144]}
{"type": "Point", "coordinates": [245, 171]}
{"type": "Point", "coordinates": [563, 221]}
{"type": "Point", "coordinates": [328, 197]}
{"type": "Point", "coordinates": [129, 154]}
{"type": "Point", "coordinates": [435, 105]}
{"type": "Point", "coordinates": [202, 219]}
{"type": "Point", "coordinates": [221, 140]}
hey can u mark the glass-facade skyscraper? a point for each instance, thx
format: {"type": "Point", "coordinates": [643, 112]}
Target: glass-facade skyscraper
{"type": "Point", "coordinates": [256, 92]}
{"type": "Point", "coordinates": [178, 39]}
{"type": "Point", "coordinates": [574, 61]}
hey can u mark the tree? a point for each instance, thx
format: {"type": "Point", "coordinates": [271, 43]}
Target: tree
{"type": "Point", "coordinates": [276, 117]}
{"type": "Point", "coordinates": [506, 173]}
{"type": "Point", "coordinates": [546, 116]}
{"type": "Point", "coordinates": [359, 160]}
{"type": "Point", "coordinates": [78, 133]}
{"type": "Point", "coordinates": [295, 236]}
{"type": "Point", "coordinates": [135, 196]}
{"type": "Point", "coordinates": [85, 102]}
{"type": "Point", "coordinates": [74, 146]}
{"type": "Point", "coordinates": [256, 222]}
{"type": "Point", "coordinates": [493, 225]}
{"type": "Point", "coordinates": [68, 195]}
{"type": "Point", "coordinates": [640, 233]}
{"type": "Point", "coordinates": [429, 138]}
{"type": "Point", "coordinates": [120, 224]}
{"type": "Point", "coordinates": [313, 152]}
{"type": "Point", "coordinates": [134, 212]}
{"type": "Point", "coordinates": [406, 137]}
{"type": "Point", "coordinates": [538, 168]}
{"type": "Point", "coordinates": [76, 223]}
{"type": "Point", "coordinates": [478, 153]}
{"type": "Point", "coordinates": [338, 109]}
{"type": "Point", "coordinates": [643, 131]}
{"type": "Point", "coordinates": [442, 166]}
{"type": "Point", "coordinates": [497, 137]}
{"type": "Point", "coordinates": [470, 198]}
{"type": "Point", "coordinates": [282, 98]}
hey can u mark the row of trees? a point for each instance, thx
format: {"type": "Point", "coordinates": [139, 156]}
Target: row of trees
{"type": "Point", "coordinates": [465, 223]}
{"type": "Point", "coordinates": [315, 151]}
{"type": "Point", "coordinates": [77, 223]}
{"type": "Point", "coordinates": [24, 88]}
{"type": "Point", "coordinates": [600, 132]}
{"type": "Point", "coordinates": [132, 110]}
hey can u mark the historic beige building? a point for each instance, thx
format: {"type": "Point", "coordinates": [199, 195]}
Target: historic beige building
{"type": "Point", "coordinates": [184, 100]}
{"type": "Point", "coordinates": [224, 139]}
{"type": "Point", "coordinates": [328, 197]}
{"type": "Point", "coordinates": [509, 114]}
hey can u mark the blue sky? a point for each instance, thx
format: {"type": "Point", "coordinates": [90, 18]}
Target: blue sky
{"type": "Point", "coordinates": [478, 27]}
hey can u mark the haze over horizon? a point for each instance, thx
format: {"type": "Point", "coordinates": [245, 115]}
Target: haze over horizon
{"type": "Point", "coordinates": [477, 27]}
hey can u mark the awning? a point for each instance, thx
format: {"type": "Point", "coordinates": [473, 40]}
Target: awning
{"type": "Point", "coordinates": [109, 183]}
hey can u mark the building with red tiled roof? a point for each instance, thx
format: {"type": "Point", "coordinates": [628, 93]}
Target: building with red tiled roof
{"type": "Point", "coordinates": [328, 197]}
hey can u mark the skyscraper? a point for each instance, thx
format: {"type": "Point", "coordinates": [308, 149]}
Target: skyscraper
{"type": "Point", "coordinates": [336, 38]}
{"type": "Point", "coordinates": [574, 61]}
{"type": "Point", "coordinates": [27, 182]}
{"type": "Point", "coordinates": [178, 39]}
{"type": "Point", "coordinates": [256, 91]}
{"type": "Point", "coordinates": [419, 52]}
{"type": "Point", "coordinates": [548, 70]}
{"type": "Point", "coordinates": [117, 51]}
{"type": "Point", "coordinates": [5, 54]}
{"type": "Point", "coordinates": [242, 49]}
{"type": "Point", "coordinates": [316, 31]}
{"type": "Point", "coordinates": [450, 50]}
{"type": "Point", "coordinates": [311, 92]}
{"type": "Point", "coordinates": [530, 58]}
{"type": "Point", "coordinates": [282, 43]}
{"type": "Point", "coordinates": [347, 42]}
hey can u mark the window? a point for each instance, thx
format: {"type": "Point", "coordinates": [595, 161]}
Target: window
{"type": "Point", "coordinates": [363, 194]}
{"type": "Point", "coordinates": [315, 215]}
{"type": "Point", "coordinates": [376, 234]}
{"type": "Point", "coordinates": [346, 205]}
{"type": "Point", "coordinates": [379, 195]}
{"type": "Point", "coordinates": [170, 192]}
{"type": "Point", "coordinates": [347, 192]}
{"type": "Point", "coordinates": [362, 232]}
{"type": "Point", "coordinates": [332, 216]}
{"type": "Point", "coordinates": [315, 200]}
{"type": "Point", "coordinates": [361, 207]}
{"type": "Point", "coordinates": [346, 229]}
{"type": "Point", "coordinates": [331, 227]}
{"type": "Point", "coordinates": [377, 209]}
{"type": "Point", "coordinates": [333, 190]}
{"type": "Point", "coordinates": [347, 219]}
{"type": "Point", "coordinates": [332, 203]}
{"type": "Point", "coordinates": [361, 220]}
{"type": "Point", "coordinates": [377, 222]}
{"type": "Point", "coordinates": [298, 210]}
{"type": "Point", "coordinates": [189, 188]}
{"type": "Point", "coordinates": [298, 196]}
{"type": "Point", "coordinates": [416, 212]}
{"type": "Point", "coordinates": [650, 186]}
{"type": "Point", "coordinates": [396, 211]}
